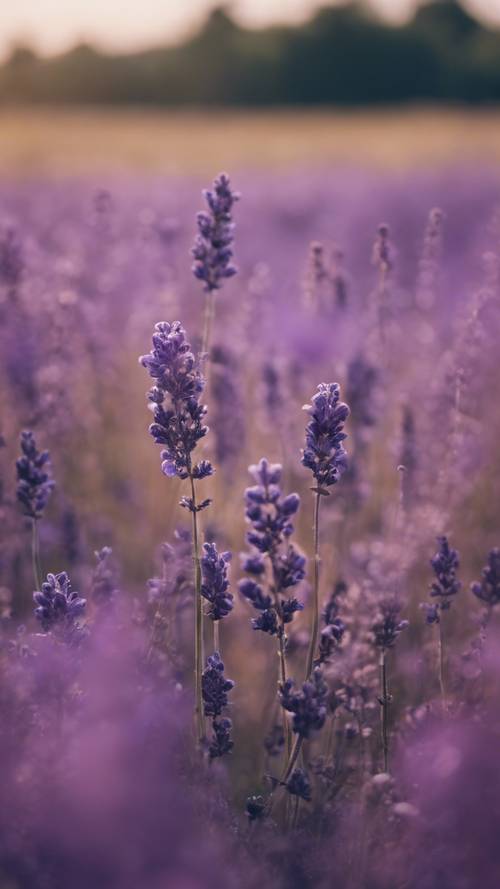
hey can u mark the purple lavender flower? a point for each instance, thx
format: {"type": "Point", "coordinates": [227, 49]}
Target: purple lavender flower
{"type": "Point", "coordinates": [299, 785]}
{"type": "Point", "coordinates": [221, 743]}
{"type": "Point", "coordinates": [212, 249]}
{"type": "Point", "coordinates": [178, 414]}
{"type": "Point", "coordinates": [387, 625]}
{"type": "Point", "coordinates": [58, 607]}
{"type": "Point", "coordinates": [34, 482]}
{"type": "Point", "coordinates": [488, 588]}
{"type": "Point", "coordinates": [269, 514]}
{"type": "Point", "coordinates": [104, 577]}
{"type": "Point", "coordinates": [445, 565]}
{"type": "Point", "coordinates": [309, 705]}
{"type": "Point", "coordinates": [215, 686]}
{"type": "Point", "coordinates": [324, 454]}
{"type": "Point", "coordinates": [215, 583]}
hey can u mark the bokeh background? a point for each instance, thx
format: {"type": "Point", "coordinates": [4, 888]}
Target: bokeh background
{"type": "Point", "coordinates": [163, 86]}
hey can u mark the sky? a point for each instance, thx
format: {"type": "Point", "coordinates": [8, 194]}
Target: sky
{"type": "Point", "coordinates": [54, 25]}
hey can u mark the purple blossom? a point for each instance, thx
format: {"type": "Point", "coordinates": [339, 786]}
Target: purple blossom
{"type": "Point", "coordinates": [178, 414]}
{"type": "Point", "coordinates": [215, 686]}
{"type": "Point", "coordinates": [299, 785]}
{"type": "Point", "coordinates": [488, 588]}
{"type": "Point", "coordinates": [104, 577]}
{"type": "Point", "coordinates": [324, 453]}
{"type": "Point", "coordinates": [58, 607]}
{"type": "Point", "coordinates": [34, 482]}
{"type": "Point", "coordinates": [308, 705]}
{"type": "Point", "coordinates": [215, 583]}
{"type": "Point", "coordinates": [212, 249]}
{"type": "Point", "coordinates": [387, 625]}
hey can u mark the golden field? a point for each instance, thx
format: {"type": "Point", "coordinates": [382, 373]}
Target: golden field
{"type": "Point", "coordinates": [61, 142]}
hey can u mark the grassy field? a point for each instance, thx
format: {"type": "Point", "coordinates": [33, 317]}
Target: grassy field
{"type": "Point", "coordinates": [78, 141]}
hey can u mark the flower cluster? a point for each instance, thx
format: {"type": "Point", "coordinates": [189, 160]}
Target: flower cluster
{"type": "Point", "coordinates": [445, 565]}
{"type": "Point", "coordinates": [270, 517]}
{"type": "Point", "coordinates": [334, 628]}
{"type": "Point", "coordinates": [308, 705]}
{"type": "Point", "coordinates": [299, 785]}
{"type": "Point", "coordinates": [176, 581]}
{"type": "Point", "coordinates": [387, 625]}
{"type": "Point", "coordinates": [215, 688]}
{"type": "Point", "coordinates": [34, 482]}
{"type": "Point", "coordinates": [58, 607]}
{"type": "Point", "coordinates": [488, 588]}
{"type": "Point", "coordinates": [175, 397]}
{"type": "Point", "coordinates": [212, 249]}
{"type": "Point", "coordinates": [215, 583]}
{"type": "Point", "coordinates": [104, 577]}
{"type": "Point", "coordinates": [324, 453]}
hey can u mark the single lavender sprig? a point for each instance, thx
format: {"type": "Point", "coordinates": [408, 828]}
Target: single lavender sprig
{"type": "Point", "coordinates": [445, 564]}
{"type": "Point", "coordinates": [34, 487]}
{"type": "Point", "coordinates": [215, 689]}
{"type": "Point", "coordinates": [215, 586]}
{"type": "Point", "coordinates": [332, 634]}
{"type": "Point", "coordinates": [385, 631]}
{"type": "Point", "coordinates": [59, 608]}
{"type": "Point", "coordinates": [487, 590]}
{"type": "Point", "coordinates": [325, 456]}
{"type": "Point", "coordinates": [212, 250]}
{"type": "Point", "coordinates": [103, 590]}
{"type": "Point", "coordinates": [309, 708]}
{"type": "Point", "coordinates": [178, 425]}
{"type": "Point", "coordinates": [270, 515]}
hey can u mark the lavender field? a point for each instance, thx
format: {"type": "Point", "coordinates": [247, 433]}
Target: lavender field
{"type": "Point", "coordinates": [256, 645]}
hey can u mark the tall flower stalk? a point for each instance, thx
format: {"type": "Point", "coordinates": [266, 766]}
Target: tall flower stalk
{"type": "Point", "coordinates": [445, 564]}
{"type": "Point", "coordinates": [34, 487]}
{"type": "Point", "coordinates": [215, 587]}
{"type": "Point", "coordinates": [325, 456]}
{"type": "Point", "coordinates": [270, 515]}
{"type": "Point", "coordinates": [212, 250]}
{"type": "Point", "coordinates": [385, 631]}
{"type": "Point", "coordinates": [178, 426]}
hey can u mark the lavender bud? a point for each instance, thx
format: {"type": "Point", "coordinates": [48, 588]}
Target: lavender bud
{"type": "Point", "coordinates": [324, 454]}
{"type": "Point", "coordinates": [215, 583]}
{"type": "Point", "coordinates": [212, 250]}
{"type": "Point", "coordinates": [34, 482]}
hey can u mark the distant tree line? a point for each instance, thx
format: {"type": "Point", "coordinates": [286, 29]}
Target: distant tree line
{"type": "Point", "coordinates": [343, 55]}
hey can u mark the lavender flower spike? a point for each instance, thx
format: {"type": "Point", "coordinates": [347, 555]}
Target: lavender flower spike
{"type": "Point", "coordinates": [178, 414]}
{"type": "Point", "coordinates": [34, 482]}
{"type": "Point", "coordinates": [324, 453]}
{"type": "Point", "coordinates": [212, 249]}
{"type": "Point", "coordinates": [215, 583]}
{"type": "Point", "coordinates": [58, 607]}
{"type": "Point", "coordinates": [488, 588]}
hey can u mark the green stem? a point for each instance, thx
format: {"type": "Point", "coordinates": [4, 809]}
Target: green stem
{"type": "Point", "coordinates": [384, 703]}
{"type": "Point", "coordinates": [317, 562]}
{"type": "Point", "coordinates": [35, 554]}
{"type": "Point", "coordinates": [441, 671]}
{"type": "Point", "coordinates": [207, 328]}
{"type": "Point", "coordinates": [198, 636]}
{"type": "Point", "coordinates": [216, 636]}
